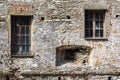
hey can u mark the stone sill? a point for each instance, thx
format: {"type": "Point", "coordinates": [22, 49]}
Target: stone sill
{"type": "Point", "coordinates": [22, 56]}
{"type": "Point", "coordinates": [96, 38]}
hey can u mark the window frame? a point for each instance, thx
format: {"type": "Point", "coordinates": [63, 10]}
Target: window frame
{"type": "Point", "coordinates": [94, 11]}
{"type": "Point", "coordinates": [22, 55]}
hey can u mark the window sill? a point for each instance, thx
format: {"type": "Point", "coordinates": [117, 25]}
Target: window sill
{"type": "Point", "coordinates": [96, 38]}
{"type": "Point", "coordinates": [22, 56]}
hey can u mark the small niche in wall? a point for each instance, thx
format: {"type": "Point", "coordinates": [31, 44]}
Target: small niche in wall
{"type": "Point", "coordinates": [68, 17]}
{"type": "Point", "coordinates": [84, 61]}
{"type": "Point", "coordinates": [72, 53]}
{"type": "Point", "coordinates": [117, 16]}
{"type": "Point", "coordinates": [42, 18]}
{"type": "Point", "coordinates": [61, 17]}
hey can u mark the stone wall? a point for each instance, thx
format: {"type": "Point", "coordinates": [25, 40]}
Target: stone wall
{"type": "Point", "coordinates": [56, 23]}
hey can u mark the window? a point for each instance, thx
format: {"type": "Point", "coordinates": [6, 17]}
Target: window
{"type": "Point", "coordinates": [94, 23]}
{"type": "Point", "coordinates": [20, 35]}
{"type": "Point", "coordinates": [109, 78]}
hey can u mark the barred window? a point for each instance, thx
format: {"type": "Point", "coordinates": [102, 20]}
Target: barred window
{"type": "Point", "coordinates": [20, 35]}
{"type": "Point", "coordinates": [94, 23]}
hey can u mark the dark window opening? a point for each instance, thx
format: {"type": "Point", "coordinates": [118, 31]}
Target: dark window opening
{"type": "Point", "coordinates": [20, 35]}
{"type": "Point", "coordinates": [59, 78]}
{"type": "Point", "coordinates": [72, 53]}
{"type": "Point", "coordinates": [7, 78]}
{"type": "Point", "coordinates": [109, 78]}
{"type": "Point", "coordinates": [69, 54]}
{"type": "Point", "coordinates": [94, 23]}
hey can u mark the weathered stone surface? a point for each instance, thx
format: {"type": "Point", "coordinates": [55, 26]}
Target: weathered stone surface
{"type": "Point", "coordinates": [63, 24]}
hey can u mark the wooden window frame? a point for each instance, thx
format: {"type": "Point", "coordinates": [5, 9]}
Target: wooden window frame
{"type": "Point", "coordinates": [94, 25]}
{"type": "Point", "coordinates": [20, 35]}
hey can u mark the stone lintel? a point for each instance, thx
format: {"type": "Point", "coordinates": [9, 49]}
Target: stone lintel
{"type": "Point", "coordinates": [98, 6]}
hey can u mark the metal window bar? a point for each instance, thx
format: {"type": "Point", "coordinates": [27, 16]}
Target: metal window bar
{"type": "Point", "coordinates": [20, 34]}
{"type": "Point", "coordinates": [94, 20]}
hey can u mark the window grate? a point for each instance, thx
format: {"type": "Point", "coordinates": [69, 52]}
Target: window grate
{"type": "Point", "coordinates": [94, 23]}
{"type": "Point", "coordinates": [20, 34]}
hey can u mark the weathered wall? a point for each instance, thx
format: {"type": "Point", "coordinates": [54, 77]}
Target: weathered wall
{"type": "Point", "coordinates": [56, 30]}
